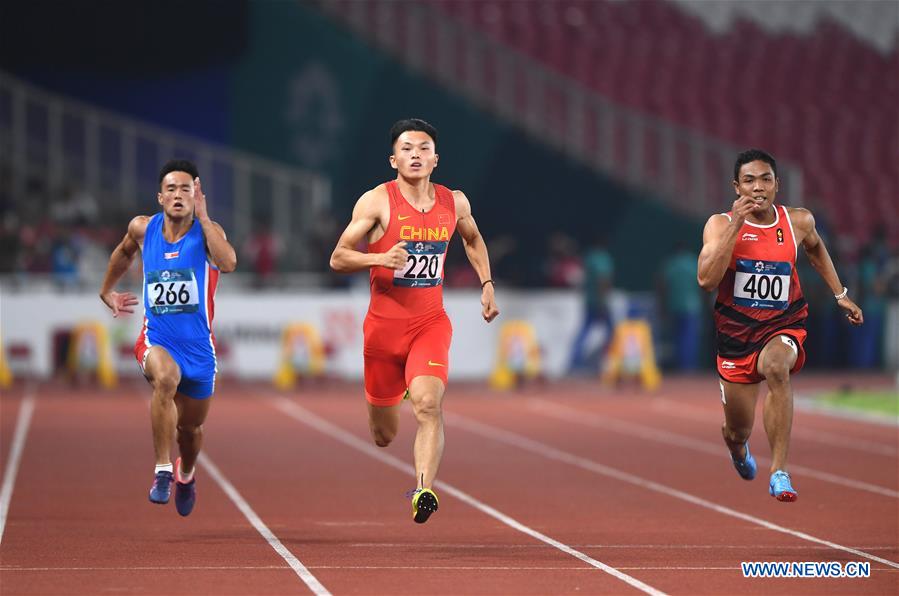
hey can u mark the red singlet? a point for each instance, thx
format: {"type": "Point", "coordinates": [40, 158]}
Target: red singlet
{"type": "Point", "coordinates": [759, 298]}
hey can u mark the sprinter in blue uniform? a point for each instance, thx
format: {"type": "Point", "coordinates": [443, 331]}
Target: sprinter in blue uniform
{"type": "Point", "coordinates": [183, 253]}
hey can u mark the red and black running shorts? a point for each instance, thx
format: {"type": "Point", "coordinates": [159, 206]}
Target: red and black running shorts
{"type": "Point", "coordinates": [398, 350]}
{"type": "Point", "coordinates": [744, 369]}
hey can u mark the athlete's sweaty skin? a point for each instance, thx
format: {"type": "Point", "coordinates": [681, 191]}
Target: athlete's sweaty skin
{"type": "Point", "coordinates": [756, 186]}
{"type": "Point", "coordinates": [172, 412]}
{"type": "Point", "coordinates": [414, 157]}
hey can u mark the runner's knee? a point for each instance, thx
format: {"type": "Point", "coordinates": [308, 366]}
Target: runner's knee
{"type": "Point", "coordinates": [189, 430]}
{"type": "Point", "coordinates": [777, 370]}
{"type": "Point", "coordinates": [167, 383]}
{"type": "Point", "coordinates": [426, 405]}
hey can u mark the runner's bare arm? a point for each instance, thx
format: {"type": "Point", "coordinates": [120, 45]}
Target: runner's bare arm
{"type": "Point", "coordinates": [119, 262]}
{"type": "Point", "coordinates": [218, 248]}
{"type": "Point", "coordinates": [807, 235]}
{"type": "Point", "coordinates": [367, 214]}
{"type": "Point", "coordinates": [476, 251]}
{"type": "Point", "coordinates": [718, 240]}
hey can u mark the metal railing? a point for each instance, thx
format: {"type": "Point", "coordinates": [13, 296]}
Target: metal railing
{"type": "Point", "coordinates": [689, 171]}
{"type": "Point", "coordinates": [49, 142]}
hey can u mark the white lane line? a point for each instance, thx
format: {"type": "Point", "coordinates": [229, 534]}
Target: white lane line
{"type": "Point", "coordinates": [661, 547]}
{"type": "Point", "coordinates": [358, 567]}
{"type": "Point", "coordinates": [335, 432]}
{"type": "Point", "coordinates": [568, 414]}
{"type": "Point", "coordinates": [23, 421]}
{"type": "Point", "coordinates": [689, 412]}
{"type": "Point", "coordinates": [503, 436]}
{"type": "Point", "coordinates": [301, 570]}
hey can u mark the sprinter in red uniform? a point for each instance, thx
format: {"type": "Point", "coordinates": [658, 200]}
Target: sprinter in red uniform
{"type": "Point", "coordinates": [749, 255]}
{"type": "Point", "coordinates": [408, 223]}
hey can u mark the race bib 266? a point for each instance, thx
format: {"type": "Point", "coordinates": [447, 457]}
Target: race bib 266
{"type": "Point", "coordinates": [172, 291]}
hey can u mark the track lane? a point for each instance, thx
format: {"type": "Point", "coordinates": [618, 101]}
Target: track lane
{"type": "Point", "coordinates": [81, 502]}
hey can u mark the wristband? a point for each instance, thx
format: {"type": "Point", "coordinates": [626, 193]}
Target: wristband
{"type": "Point", "coordinates": [842, 294]}
{"type": "Point", "coordinates": [489, 281]}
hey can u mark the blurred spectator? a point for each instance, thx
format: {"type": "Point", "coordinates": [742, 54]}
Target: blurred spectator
{"type": "Point", "coordinates": [262, 250]}
{"type": "Point", "coordinates": [682, 303]}
{"type": "Point", "coordinates": [824, 325]}
{"type": "Point", "coordinates": [563, 268]}
{"type": "Point", "coordinates": [9, 225]}
{"type": "Point", "coordinates": [64, 259]}
{"type": "Point", "coordinates": [457, 273]}
{"type": "Point", "coordinates": [92, 249]}
{"type": "Point", "coordinates": [503, 252]}
{"type": "Point", "coordinates": [74, 207]}
{"type": "Point", "coordinates": [891, 314]}
{"type": "Point", "coordinates": [598, 272]}
{"type": "Point", "coordinates": [865, 341]}
{"type": "Point", "coordinates": [879, 246]}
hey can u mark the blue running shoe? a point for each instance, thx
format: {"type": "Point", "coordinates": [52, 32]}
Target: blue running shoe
{"type": "Point", "coordinates": [780, 487]}
{"type": "Point", "coordinates": [185, 497]}
{"type": "Point", "coordinates": [745, 468]}
{"type": "Point", "coordinates": [185, 492]}
{"type": "Point", "coordinates": [162, 488]}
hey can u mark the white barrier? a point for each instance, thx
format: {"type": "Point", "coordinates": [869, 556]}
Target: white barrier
{"type": "Point", "coordinates": [250, 324]}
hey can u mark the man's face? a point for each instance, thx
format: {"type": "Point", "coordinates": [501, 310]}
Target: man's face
{"type": "Point", "coordinates": [176, 195]}
{"type": "Point", "coordinates": [757, 180]}
{"type": "Point", "coordinates": [414, 155]}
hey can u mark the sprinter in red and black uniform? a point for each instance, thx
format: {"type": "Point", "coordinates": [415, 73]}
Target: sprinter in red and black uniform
{"type": "Point", "coordinates": [408, 223]}
{"type": "Point", "coordinates": [749, 254]}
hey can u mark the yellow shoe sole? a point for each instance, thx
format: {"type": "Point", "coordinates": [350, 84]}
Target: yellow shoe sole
{"type": "Point", "coordinates": [424, 503]}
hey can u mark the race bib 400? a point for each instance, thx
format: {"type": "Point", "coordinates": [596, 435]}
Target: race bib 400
{"type": "Point", "coordinates": [762, 284]}
{"type": "Point", "coordinates": [424, 265]}
{"type": "Point", "coordinates": [172, 291]}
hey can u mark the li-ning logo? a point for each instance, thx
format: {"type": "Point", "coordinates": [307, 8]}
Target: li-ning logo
{"type": "Point", "coordinates": [747, 237]}
{"type": "Point", "coordinates": [727, 364]}
{"type": "Point", "coordinates": [170, 255]}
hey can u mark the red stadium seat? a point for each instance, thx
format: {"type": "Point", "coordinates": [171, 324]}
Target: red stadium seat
{"type": "Point", "coordinates": [825, 100]}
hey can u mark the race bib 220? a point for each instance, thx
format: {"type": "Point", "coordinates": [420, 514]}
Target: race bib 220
{"type": "Point", "coordinates": [424, 265]}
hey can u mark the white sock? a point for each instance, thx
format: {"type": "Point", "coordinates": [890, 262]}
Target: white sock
{"type": "Point", "coordinates": [165, 468]}
{"type": "Point", "coordinates": [185, 478]}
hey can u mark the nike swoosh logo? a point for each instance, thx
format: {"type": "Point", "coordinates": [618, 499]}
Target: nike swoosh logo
{"type": "Point", "coordinates": [403, 217]}
{"type": "Point", "coordinates": [435, 363]}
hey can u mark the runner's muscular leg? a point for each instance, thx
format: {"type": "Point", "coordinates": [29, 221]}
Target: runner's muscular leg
{"type": "Point", "coordinates": [426, 394]}
{"type": "Point", "coordinates": [739, 414]}
{"type": "Point", "coordinates": [191, 416]}
{"type": "Point", "coordinates": [777, 358]}
{"type": "Point", "coordinates": [164, 375]}
{"type": "Point", "coordinates": [384, 422]}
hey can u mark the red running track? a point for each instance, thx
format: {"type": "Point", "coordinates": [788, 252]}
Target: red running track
{"type": "Point", "coordinates": [557, 490]}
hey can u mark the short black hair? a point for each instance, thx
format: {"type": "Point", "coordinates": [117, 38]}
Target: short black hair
{"type": "Point", "coordinates": [401, 126]}
{"type": "Point", "coordinates": [753, 155]}
{"type": "Point", "coordinates": [179, 165]}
